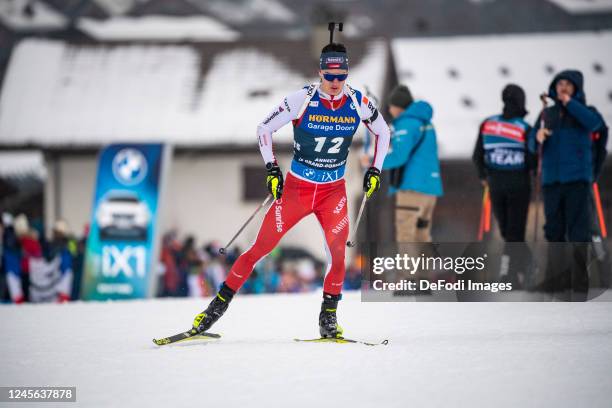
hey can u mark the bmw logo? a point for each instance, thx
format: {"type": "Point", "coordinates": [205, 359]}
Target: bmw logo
{"type": "Point", "coordinates": [352, 106]}
{"type": "Point", "coordinates": [129, 166]}
{"type": "Point", "coordinates": [309, 173]}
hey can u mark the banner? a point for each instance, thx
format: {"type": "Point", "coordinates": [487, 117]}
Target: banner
{"type": "Point", "coordinates": [121, 253]}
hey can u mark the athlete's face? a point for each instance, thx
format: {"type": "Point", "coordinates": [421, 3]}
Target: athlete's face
{"type": "Point", "coordinates": [332, 80]}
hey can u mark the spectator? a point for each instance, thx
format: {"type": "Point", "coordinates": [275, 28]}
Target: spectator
{"type": "Point", "coordinates": [306, 273]}
{"type": "Point", "coordinates": [290, 282]}
{"type": "Point", "coordinates": [567, 171]}
{"type": "Point", "coordinates": [50, 267]}
{"type": "Point", "coordinates": [504, 163]}
{"type": "Point", "coordinates": [256, 283]}
{"type": "Point", "coordinates": [78, 263]}
{"type": "Point", "coordinates": [184, 257]}
{"type": "Point", "coordinates": [206, 270]}
{"type": "Point", "coordinates": [171, 279]}
{"type": "Point", "coordinates": [30, 248]}
{"type": "Point", "coordinates": [270, 270]}
{"type": "Point", "coordinates": [567, 165]}
{"type": "Point", "coordinates": [61, 250]}
{"type": "Point", "coordinates": [215, 266]}
{"type": "Point", "coordinates": [11, 260]}
{"type": "Point", "coordinates": [413, 155]}
{"type": "Point", "coordinates": [353, 273]}
{"type": "Point", "coordinates": [190, 268]}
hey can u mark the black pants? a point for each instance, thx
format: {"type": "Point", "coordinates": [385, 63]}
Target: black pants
{"type": "Point", "coordinates": [566, 270]}
{"type": "Point", "coordinates": [3, 287]}
{"type": "Point", "coordinates": [568, 212]}
{"type": "Point", "coordinates": [510, 193]}
{"type": "Point", "coordinates": [568, 218]}
{"type": "Point", "coordinates": [510, 206]}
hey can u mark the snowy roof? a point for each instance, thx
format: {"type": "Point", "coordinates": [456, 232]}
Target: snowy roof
{"type": "Point", "coordinates": [30, 15]}
{"type": "Point", "coordinates": [22, 163]}
{"type": "Point", "coordinates": [462, 77]}
{"type": "Point", "coordinates": [168, 28]}
{"type": "Point", "coordinates": [244, 12]}
{"type": "Point", "coordinates": [584, 7]}
{"type": "Point", "coordinates": [117, 7]}
{"type": "Point", "coordinates": [69, 96]}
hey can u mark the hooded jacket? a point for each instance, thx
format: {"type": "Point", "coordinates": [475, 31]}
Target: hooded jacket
{"type": "Point", "coordinates": [422, 170]}
{"type": "Point", "coordinates": [567, 152]}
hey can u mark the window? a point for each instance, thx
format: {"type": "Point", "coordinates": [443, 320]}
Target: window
{"type": "Point", "coordinates": [254, 183]}
{"type": "Point", "coordinates": [598, 68]}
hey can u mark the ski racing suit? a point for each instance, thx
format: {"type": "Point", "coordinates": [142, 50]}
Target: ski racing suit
{"type": "Point", "coordinates": [323, 129]}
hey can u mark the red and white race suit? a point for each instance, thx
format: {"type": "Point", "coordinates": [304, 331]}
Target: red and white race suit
{"type": "Point", "coordinates": [324, 126]}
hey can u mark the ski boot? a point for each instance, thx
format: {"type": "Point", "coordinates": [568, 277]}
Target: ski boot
{"type": "Point", "coordinates": [203, 321]}
{"type": "Point", "coordinates": [328, 323]}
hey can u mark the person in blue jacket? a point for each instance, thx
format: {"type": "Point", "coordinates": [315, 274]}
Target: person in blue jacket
{"type": "Point", "coordinates": [10, 262]}
{"type": "Point", "coordinates": [567, 174]}
{"type": "Point", "coordinates": [413, 159]}
{"type": "Point", "coordinates": [567, 162]}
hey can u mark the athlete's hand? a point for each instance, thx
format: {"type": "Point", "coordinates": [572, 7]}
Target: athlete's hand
{"type": "Point", "coordinates": [274, 180]}
{"type": "Point", "coordinates": [371, 181]}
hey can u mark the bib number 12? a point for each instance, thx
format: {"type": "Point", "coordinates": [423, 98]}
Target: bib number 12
{"type": "Point", "coordinates": [335, 149]}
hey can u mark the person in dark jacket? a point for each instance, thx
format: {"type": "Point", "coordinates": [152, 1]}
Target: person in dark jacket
{"type": "Point", "coordinates": [567, 173]}
{"type": "Point", "coordinates": [503, 163]}
{"type": "Point", "coordinates": [567, 162]}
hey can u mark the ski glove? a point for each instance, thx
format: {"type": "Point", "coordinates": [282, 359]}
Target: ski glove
{"type": "Point", "coordinates": [371, 181]}
{"type": "Point", "coordinates": [274, 180]}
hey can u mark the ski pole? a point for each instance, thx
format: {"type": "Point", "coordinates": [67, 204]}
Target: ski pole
{"type": "Point", "coordinates": [481, 223]}
{"type": "Point", "coordinates": [223, 249]}
{"type": "Point", "coordinates": [600, 217]}
{"type": "Point", "coordinates": [537, 194]}
{"type": "Point", "coordinates": [543, 97]}
{"type": "Point", "coordinates": [351, 243]}
{"type": "Point", "coordinates": [487, 224]}
{"type": "Point", "coordinates": [483, 211]}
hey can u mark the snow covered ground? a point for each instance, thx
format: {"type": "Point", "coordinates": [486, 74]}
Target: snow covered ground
{"type": "Point", "coordinates": [440, 354]}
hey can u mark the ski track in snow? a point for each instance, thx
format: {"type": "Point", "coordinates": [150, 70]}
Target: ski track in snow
{"type": "Point", "coordinates": [440, 354]}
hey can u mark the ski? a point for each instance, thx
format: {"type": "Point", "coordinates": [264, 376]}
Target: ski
{"type": "Point", "coordinates": [191, 334]}
{"type": "Point", "coordinates": [341, 340]}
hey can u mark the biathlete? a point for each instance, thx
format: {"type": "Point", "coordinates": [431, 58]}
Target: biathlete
{"type": "Point", "coordinates": [325, 117]}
